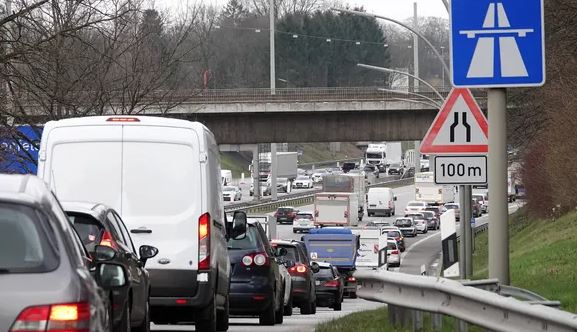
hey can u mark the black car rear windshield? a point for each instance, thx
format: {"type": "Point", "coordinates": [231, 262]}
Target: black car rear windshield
{"type": "Point", "coordinates": [284, 210]}
{"type": "Point", "coordinates": [27, 242]}
{"type": "Point", "coordinates": [88, 228]}
{"type": "Point", "coordinates": [250, 241]}
{"type": "Point", "coordinates": [324, 273]}
{"type": "Point", "coordinates": [292, 254]}
{"type": "Point", "coordinates": [403, 223]}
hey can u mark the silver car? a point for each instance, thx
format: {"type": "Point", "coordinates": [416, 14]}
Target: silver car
{"type": "Point", "coordinates": [45, 272]}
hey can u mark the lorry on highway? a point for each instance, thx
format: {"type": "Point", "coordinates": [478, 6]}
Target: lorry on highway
{"type": "Point", "coordinates": [394, 152]}
{"type": "Point", "coordinates": [347, 183]}
{"type": "Point", "coordinates": [376, 154]}
{"type": "Point", "coordinates": [226, 177]}
{"type": "Point", "coordinates": [336, 209]}
{"type": "Point", "coordinates": [338, 246]}
{"type": "Point", "coordinates": [426, 190]}
{"type": "Point", "coordinates": [371, 244]}
{"type": "Point", "coordinates": [286, 168]}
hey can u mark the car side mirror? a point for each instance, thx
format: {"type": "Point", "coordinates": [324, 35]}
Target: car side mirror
{"type": "Point", "coordinates": [238, 226]}
{"type": "Point", "coordinates": [281, 252]}
{"type": "Point", "coordinates": [289, 263]}
{"type": "Point", "coordinates": [110, 276]}
{"type": "Point", "coordinates": [104, 253]}
{"type": "Point", "coordinates": [147, 252]}
{"type": "Point", "coordinates": [315, 267]}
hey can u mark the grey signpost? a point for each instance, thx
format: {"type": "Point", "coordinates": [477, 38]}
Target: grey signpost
{"type": "Point", "coordinates": [497, 45]}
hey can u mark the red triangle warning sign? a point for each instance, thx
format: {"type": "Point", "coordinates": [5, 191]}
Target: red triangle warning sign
{"type": "Point", "coordinates": [460, 127]}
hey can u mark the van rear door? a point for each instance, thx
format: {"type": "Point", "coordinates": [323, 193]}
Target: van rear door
{"type": "Point", "coordinates": [83, 163]}
{"type": "Point", "coordinates": [162, 192]}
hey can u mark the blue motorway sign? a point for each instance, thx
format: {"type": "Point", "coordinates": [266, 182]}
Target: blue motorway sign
{"type": "Point", "coordinates": [19, 150]}
{"type": "Point", "coordinates": [497, 44]}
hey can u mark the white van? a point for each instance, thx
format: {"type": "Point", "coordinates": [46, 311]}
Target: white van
{"type": "Point", "coordinates": [381, 200]}
{"type": "Point", "coordinates": [226, 176]}
{"type": "Point", "coordinates": [163, 177]}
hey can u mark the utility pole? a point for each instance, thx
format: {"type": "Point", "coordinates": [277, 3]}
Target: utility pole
{"type": "Point", "coordinates": [273, 171]}
{"type": "Point", "coordinates": [272, 49]}
{"type": "Point", "coordinates": [498, 223]}
{"type": "Point", "coordinates": [415, 48]}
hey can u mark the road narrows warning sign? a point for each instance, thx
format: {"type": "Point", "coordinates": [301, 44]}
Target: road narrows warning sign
{"type": "Point", "coordinates": [460, 127]}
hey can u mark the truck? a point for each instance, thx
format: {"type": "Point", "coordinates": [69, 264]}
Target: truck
{"type": "Point", "coordinates": [347, 183]}
{"type": "Point", "coordinates": [513, 183]}
{"type": "Point", "coordinates": [338, 246]}
{"type": "Point", "coordinates": [336, 209]}
{"type": "Point", "coordinates": [226, 177]}
{"type": "Point", "coordinates": [376, 154]}
{"type": "Point", "coordinates": [372, 243]}
{"type": "Point", "coordinates": [394, 153]}
{"type": "Point", "coordinates": [286, 168]}
{"type": "Point", "coordinates": [426, 190]}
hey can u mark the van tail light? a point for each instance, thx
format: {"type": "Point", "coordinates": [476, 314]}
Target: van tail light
{"type": "Point", "coordinates": [257, 259]}
{"type": "Point", "coordinates": [108, 241]}
{"type": "Point", "coordinates": [332, 283]}
{"type": "Point", "coordinates": [351, 279]}
{"type": "Point", "coordinates": [395, 252]}
{"type": "Point", "coordinates": [204, 242]}
{"type": "Point", "coordinates": [69, 317]}
{"type": "Point", "coordinates": [298, 269]}
{"type": "Point", "coordinates": [122, 119]}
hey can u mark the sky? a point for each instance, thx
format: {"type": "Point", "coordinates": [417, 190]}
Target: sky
{"type": "Point", "coordinates": [396, 9]}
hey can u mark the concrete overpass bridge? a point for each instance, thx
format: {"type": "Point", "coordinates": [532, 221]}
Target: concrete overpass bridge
{"type": "Point", "coordinates": [248, 116]}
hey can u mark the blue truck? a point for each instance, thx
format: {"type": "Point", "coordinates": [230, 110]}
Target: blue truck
{"type": "Point", "coordinates": [337, 246]}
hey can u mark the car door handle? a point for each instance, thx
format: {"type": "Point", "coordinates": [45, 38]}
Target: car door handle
{"type": "Point", "coordinates": [141, 230]}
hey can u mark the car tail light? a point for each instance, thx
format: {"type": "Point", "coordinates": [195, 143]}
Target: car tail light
{"type": "Point", "coordinates": [69, 317]}
{"type": "Point", "coordinates": [204, 242]}
{"type": "Point", "coordinates": [332, 283]}
{"type": "Point", "coordinates": [122, 119]}
{"type": "Point", "coordinates": [395, 252]}
{"type": "Point", "coordinates": [398, 239]}
{"type": "Point", "coordinates": [351, 279]}
{"type": "Point", "coordinates": [299, 268]}
{"type": "Point", "coordinates": [108, 241]}
{"type": "Point", "coordinates": [258, 259]}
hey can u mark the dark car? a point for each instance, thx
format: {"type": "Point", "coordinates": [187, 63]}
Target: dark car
{"type": "Point", "coordinates": [329, 286]}
{"type": "Point", "coordinates": [476, 207]}
{"type": "Point", "coordinates": [437, 210]}
{"type": "Point", "coordinates": [302, 275]}
{"type": "Point", "coordinates": [98, 224]}
{"type": "Point", "coordinates": [256, 285]}
{"type": "Point", "coordinates": [347, 166]}
{"type": "Point", "coordinates": [285, 215]}
{"type": "Point", "coordinates": [397, 235]}
{"type": "Point", "coordinates": [432, 220]}
{"type": "Point", "coordinates": [395, 168]}
{"type": "Point", "coordinates": [45, 273]}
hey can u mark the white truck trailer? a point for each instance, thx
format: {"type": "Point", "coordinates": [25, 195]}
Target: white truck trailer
{"type": "Point", "coordinates": [426, 190]}
{"type": "Point", "coordinates": [336, 209]}
{"type": "Point", "coordinates": [347, 183]}
{"type": "Point", "coordinates": [371, 242]}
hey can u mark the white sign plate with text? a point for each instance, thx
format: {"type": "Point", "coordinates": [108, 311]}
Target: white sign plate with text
{"type": "Point", "coordinates": [463, 170]}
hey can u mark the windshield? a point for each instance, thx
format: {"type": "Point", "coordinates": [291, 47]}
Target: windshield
{"type": "Point", "coordinates": [250, 241]}
{"type": "Point", "coordinates": [27, 243]}
{"type": "Point", "coordinates": [304, 216]}
{"type": "Point", "coordinates": [302, 177]}
{"type": "Point", "coordinates": [415, 204]}
{"type": "Point", "coordinates": [228, 188]}
{"type": "Point", "coordinates": [403, 223]}
{"type": "Point", "coordinates": [373, 155]}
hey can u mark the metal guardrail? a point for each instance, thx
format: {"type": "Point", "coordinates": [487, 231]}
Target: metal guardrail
{"type": "Point", "coordinates": [300, 198]}
{"type": "Point", "coordinates": [476, 306]}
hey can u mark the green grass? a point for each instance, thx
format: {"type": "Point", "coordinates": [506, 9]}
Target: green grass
{"type": "Point", "coordinates": [543, 257]}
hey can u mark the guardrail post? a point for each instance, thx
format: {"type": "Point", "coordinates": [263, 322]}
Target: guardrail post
{"type": "Point", "coordinates": [462, 326]}
{"type": "Point", "coordinates": [417, 320]}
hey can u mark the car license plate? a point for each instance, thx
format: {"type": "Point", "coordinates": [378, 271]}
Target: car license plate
{"type": "Point", "coordinates": [317, 283]}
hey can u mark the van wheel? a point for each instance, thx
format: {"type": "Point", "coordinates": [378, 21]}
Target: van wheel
{"type": "Point", "coordinates": [222, 317]}
{"type": "Point", "coordinates": [307, 308]}
{"type": "Point", "coordinates": [268, 316]}
{"type": "Point", "coordinates": [208, 321]}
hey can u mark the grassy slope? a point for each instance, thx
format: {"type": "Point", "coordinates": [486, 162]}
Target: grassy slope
{"type": "Point", "coordinates": [543, 257]}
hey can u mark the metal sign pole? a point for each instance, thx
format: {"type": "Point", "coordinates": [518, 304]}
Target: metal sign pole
{"type": "Point", "coordinates": [468, 231]}
{"type": "Point", "coordinates": [462, 221]}
{"type": "Point", "coordinates": [273, 172]}
{"type": "Point", "coordinates": [498, 219]}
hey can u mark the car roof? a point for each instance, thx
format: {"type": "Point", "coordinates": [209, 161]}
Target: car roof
{"type": "Point", "coordinates": [285, 207]}
{"type": "Point", "coordinates": [305, 212]}
{"type": "Point", "coordinates": [142, 121]}
{"type": "Point", "coordinates": [94, 209]}
{"type": "Point", "coordinates": [26, 189]}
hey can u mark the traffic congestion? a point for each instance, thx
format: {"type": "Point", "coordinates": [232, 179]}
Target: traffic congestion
{"type": "Point", "coordinates": [97, 224]}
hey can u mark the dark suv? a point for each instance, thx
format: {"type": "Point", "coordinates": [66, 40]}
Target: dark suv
{"type": "Point", "coordinates": [303, 281]}
{"type": "Point", "coordinates": [256, 286]}
{"type": "Point", "coordinates": [285, 215]}
{"type": "Point", "coordinates": [347, 166]}
{"type": "Point", "coordinates": [97, 224]}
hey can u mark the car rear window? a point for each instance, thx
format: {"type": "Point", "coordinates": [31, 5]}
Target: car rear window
{"type": "Point", "coordinates": [284, 210]}
{"type": "Point", "coordinates": [304, 216]}
{"type": "Point", "coordinates": [391, 246]}
{"type": "Point", "coordinates": [403, 223]}
{"type": "Point", "coordinates": [292, 254]}
{"type": "Point", "coordinates": [88, 228]}
{"type": "Point", "coordinates": [324, 273]}
{"type": "Point", "coordinates": [415, 204]}
{"type": "Point", "coordinates": [27, 243]}
{"type": "Point", "coordinates": [250, 241]}
{"type": "Point", "coordinates": [393, 234]}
